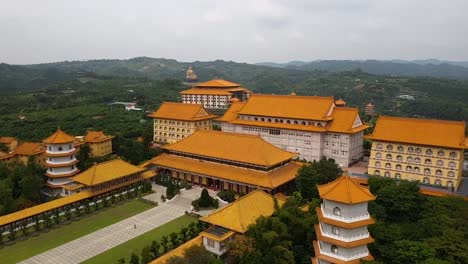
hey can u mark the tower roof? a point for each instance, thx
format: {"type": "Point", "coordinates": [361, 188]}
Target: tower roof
{"type": "Point", "coordinates": [340, 102]}
{"type": "Point", "coordinates": [59, 137]}
{"type": "Point", "coordinates": [345, 190]}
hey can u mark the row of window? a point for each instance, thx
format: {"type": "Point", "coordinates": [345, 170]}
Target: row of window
{"type": "Point", "coordinates": [174, 129]}
{"type": "Point", "coordinates": [274, 131]}
{"type": "Point", "coordinates": [415, 169]}
{"type": "Point", "coordinates": [282, 121]}
{"type": "Point", "coordinates": [428, 161]}
{"type": "Point", "coordinates": [426, 180]}
{"type": "Point", "coordinates": [178, 123]}
{"type": "Point", "coordinates": [440, 152]}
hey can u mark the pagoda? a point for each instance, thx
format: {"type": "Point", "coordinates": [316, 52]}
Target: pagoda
{"type": "Point", "coordinates": [61, 163]}
{"type": "Point", "coordinates": [342, 234]}
{"type": "Point", "coordinates": [370, 109]}
{"type": "Point", "coordinates": [340, 103]}
{"type": "Point", "coordinates": [191, 76]}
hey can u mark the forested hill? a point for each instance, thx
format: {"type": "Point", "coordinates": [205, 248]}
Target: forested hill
{"type": "Point", "coordinates": [434, 97]}
{"type": "Point", "coordinates": [429, 68]}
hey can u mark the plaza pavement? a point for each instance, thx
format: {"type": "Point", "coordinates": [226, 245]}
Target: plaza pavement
{"type": "Point", "coordinates": [93, 244]}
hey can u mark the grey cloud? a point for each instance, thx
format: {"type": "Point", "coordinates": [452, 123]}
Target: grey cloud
{"type": "Point", "coordinates": [257, 30]}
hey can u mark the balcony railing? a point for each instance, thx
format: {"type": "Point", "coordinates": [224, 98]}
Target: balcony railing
{"type": "Point", "coordinates": [61, 152]}
{"type": "Point", "coordinates": [345, 219]}
{"type": "Point", "coordinates": [60, 162]}
{"type": "Point", "coordinates": [343, 238]}
{"type": "Point", "coordinates": [342, 257]}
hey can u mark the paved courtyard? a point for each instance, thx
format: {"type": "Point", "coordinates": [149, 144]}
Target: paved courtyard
{"type": "Point", "coordinates": [88, 246]}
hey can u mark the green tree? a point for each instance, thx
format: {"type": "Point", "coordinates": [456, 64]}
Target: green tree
{"type": "Point", "coordinates": [146, 255]}
{"type": "Point", "coordinates": [316, 173]}
{"type": "Point", "coordinates": [134, 259]}
{"type": "Point", "coordinates": [155, 246]}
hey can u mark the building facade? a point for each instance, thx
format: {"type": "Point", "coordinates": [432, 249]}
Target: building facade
{"type": "Point", "coordinates": [310, 126]}
{"type": "Point", "coordinates": [216, 93]}
{"type": "Point", "coordinates": [342, 234]}
{"type": "Point", "coordinates": [60, 164]}
{"type": "Point", "coordinates": [176, 121]}
{"type": "Point", "coordinates": [424, 150]}
{"type": "Point", "coordinates": [227, 161]}
{"type": "Point", "coordinates": [99, 143]}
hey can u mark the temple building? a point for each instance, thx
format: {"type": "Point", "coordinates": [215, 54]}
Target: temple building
{"type": "Point", "coordinates": [227, 161]}
{"type": "Point", "coordinates": [370, 109]}
{"type": "Point", "coordinates": [10, 142]}
{"type": "Point", "coordinates": [311, 126]}
{"type": "Point", "coordinates": [191, 76]}
{"type": "Point", "coordinates": [227, 223]}
{"type": "Point", "coordinates": [342, 234]}
{"type": "Point", "coordinates": [425, 150]}
{"type": "Point", "coordinates": [33, 150]}
{"type": "Point", "coordinates": [216, 93]}
{"type": "Point", "coordinates": [340, 102]}
{"type": "Point", "coordinates": [235, 218]}
{"type": "Point", "coordinates": [99, 143]}
{"type": "Point", "coordinates": [176, 121]}
{"type": "Point", "coordinates": [61, 163]}
{"type": "Point", "coordinates": [108, 175]}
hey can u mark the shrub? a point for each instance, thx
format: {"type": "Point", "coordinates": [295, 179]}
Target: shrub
{"type": "Point", "coordinates": [183, 184]}
{"type": "Point", "coordinates": [228, 196]}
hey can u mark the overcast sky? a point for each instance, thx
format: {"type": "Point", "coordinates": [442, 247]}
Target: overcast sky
{"type": "Point", "coordinates": [245, 31]}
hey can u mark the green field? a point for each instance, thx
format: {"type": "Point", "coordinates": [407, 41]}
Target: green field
{"type": "Point", "coordinates": [138, 243]}
{"type": "Point", "coordinates": [62, 234]}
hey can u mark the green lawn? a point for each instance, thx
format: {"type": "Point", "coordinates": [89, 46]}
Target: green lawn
{"type": "Point", "coordinates": [62, 234]}
{"type": "Point", "coordinates": [138, 243]}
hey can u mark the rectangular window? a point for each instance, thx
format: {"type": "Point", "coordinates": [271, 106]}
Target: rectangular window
{"type": "Point", "coordinates": [210, 243]}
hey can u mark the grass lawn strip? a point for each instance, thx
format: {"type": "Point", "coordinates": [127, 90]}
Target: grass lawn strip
{"type": "Point", "coordinates": [62, 234]}
{"type": "Point", "coordinates": [136, 244]}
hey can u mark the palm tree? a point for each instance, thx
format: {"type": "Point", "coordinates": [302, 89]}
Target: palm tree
{"type": "Point", "coordinates": [164, 243]}
{"type": "Point", "coordinates": [174, 239]}
{"type": "Point", "coordinates": [184, 234]}
{"type": "Point", "coordinates": [155, 249]}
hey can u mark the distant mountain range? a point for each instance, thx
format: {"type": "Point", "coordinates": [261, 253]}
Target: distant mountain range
{"type": "Point", "coordinates": [430, 67]}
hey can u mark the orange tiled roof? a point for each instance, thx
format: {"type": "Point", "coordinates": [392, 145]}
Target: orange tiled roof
{"type": "Point", "coordinates": [345, 190]}
{"type": "Point", "coordinates": [29, 148]}
{"type": "Point", "coordinates": [6, 219]}
{"type": "Point", "coordinates": [340, 102]}
{"type": "Point", "coordinates": [216, 83]}
{"type": "Point", "coordinates": [269, 180]}
{"type": "Point", "coordinates": [96, 136]}
{"type": "Point", "coordinates": [213, 91]}
{"type": "Point", "coordinates": [59, 137]}
{"type": "Point", "coordinates": [286, 106]}
{"type": "Point", "coordinates": [430, 132]}
{"type": "Point", "coordinates": [231, 146]}
{"type": "Point", "coordinates": [344, 119]}
{"type": "Point", "coordinates": [243, 212]}
{"type": "Point", "coordinates": [106, 171]}
{"type": "Point", "coordinates": [341, 120]}
{"type": "Point", "coordinates": [7, 140]}
{"type": "Point", "coordinates": [181, 111]}
{"type": "Point", "coordinates": [233, 112]}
